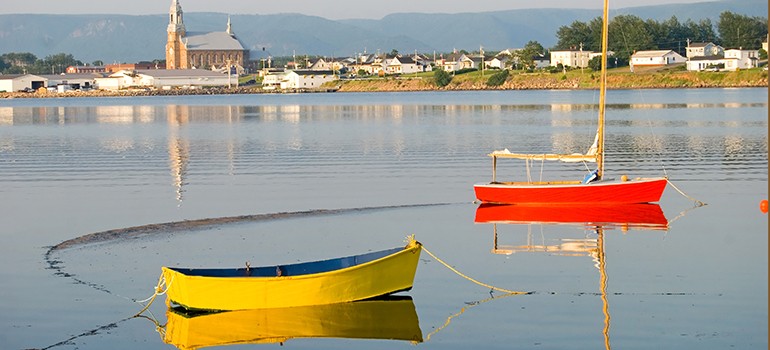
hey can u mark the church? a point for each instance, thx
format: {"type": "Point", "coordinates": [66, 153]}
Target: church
{"type": "Point", "coordinates": [215, 50]}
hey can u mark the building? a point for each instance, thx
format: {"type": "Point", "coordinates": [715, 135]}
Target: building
{"type": "Point", "coordinates": [215, 50]}
{"type": "Point", "coordinates": [116, 67]}
{"type": "Point", "coordinates": [655, 58]}
{"type": "Point", "coordinates": [164, 79]}
{"type": "Point", "coordinates": [74, 81]}
{"type": "Point", "coordinates": [703, 50]}
{"type": "Point", "coordinates": [306, 79]}
{"type": "Point", "coordinates": [401, 65]}
{"type": "Point", "coordinates": [571, 58]}
{"type": "Point", "coordinates": [736, 59]}
{"type": "Point", "coordinates": [21, 82]}
{"type": "Point", "coordinates": [541, 61]}
{"type": "Point", "coordinates": [732, 60]}
{"type": "Point", "coordinates": [450, 63]}
{"type": "Point", "coordinates": [84, 69]}
{"type": "Point", "coordinates": [496, 62]}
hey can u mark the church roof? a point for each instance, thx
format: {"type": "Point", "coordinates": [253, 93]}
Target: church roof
{"type": "Point", "coordinates": [211, 41]}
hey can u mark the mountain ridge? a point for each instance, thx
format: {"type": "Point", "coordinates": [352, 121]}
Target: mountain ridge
{"type": "Point", "coordinates": [133, 38]}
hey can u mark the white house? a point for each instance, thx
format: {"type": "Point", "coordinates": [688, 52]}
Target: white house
{"type": "Point", "coordinates": [733, 59]}
{"type": "Point", "coordinates": [21, 82]}
{"type": "Point", "coordinates": [541, 61]}
{"type": "Point", "coordinates": [496, 62]}
{"type": "Point", "coordinates": [400, 65]}
{"type": "Point", "coordinates": [654, 58]}
{"type": "Point", "coordinates": [451, 63]}
{"type": "Point", "coordinates": [741, 59]}
{"type": "Point", "coordinates": [700, 63]}
{"type": "Point", "coordinates": [571, 58]}
{"type": "Point", "coordinates": [704, 49]}
{"type": "Point", "coordinates": [306, 79]}
{"type": "Point", "coordinates": [273, 79]}
{"type": "Point", "coordinates": [319, 64]}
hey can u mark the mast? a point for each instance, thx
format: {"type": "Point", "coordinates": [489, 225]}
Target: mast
{"type": "Point", "coordinates": [602, 94]}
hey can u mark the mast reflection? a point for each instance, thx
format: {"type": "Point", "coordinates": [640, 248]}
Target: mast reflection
{"type": "Point", "coordinates": [595, 219]}
{"type": "Point", "coordinates": [178, 148]}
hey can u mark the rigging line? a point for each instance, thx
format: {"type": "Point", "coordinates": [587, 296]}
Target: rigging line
{"type": "Point", "coordinates": [542, 165]}
{"type": "Point", "coordinates": [529, 175]}
{"type": "Point", "coordinates": [657, 147]}
{"type": "Point", "coordinates": [656, 141]}
{"type": "Point", "coordinates": [469, 278]}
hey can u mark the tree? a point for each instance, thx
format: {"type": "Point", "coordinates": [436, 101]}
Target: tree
{"type": "Point", "coordinates": [669, 35]}
{"type": "Point", "coordinates": [55, 63]}
{"type": "Point", "coordinates": [595, 63]}
{"type": "Point", "coordinates": [738, 31]}
{"type": "Point", "coordinates": [580, 33]}
{"type": "Point", "coordinates": [19, 59]}
{"type": "Point", "coordinates": [441, 78]}
{"type": "Point", "coordinates": [628, 34]}
{"type": "Point", "coordinates": [526, 55]}
{"type": "Point", "coordinates": [702, 31]}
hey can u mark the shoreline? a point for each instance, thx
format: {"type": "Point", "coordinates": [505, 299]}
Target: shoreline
{"type": "Point", "coordinates": [524, 81]}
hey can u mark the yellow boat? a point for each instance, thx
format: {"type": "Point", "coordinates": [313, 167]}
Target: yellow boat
{"type": "Point", "coordinates": [330, 281]}
{"type": "Point", "coordinates": [394, 319]}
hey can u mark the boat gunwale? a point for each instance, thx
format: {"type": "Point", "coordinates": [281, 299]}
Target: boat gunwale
{"type": "Point", "coordinates": [411, 248]}
{"type": "Point", "coordinates": [566, 184]}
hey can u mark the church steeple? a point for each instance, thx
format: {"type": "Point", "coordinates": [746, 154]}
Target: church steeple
{"type": "Point", "coordinates": [229, 27]}
{"type": "Point", "coordinates": [176, 54]}
{"type": "Point", "coordinates": [176, 19]}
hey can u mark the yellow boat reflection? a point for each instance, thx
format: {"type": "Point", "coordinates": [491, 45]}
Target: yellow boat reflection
{"type": "Point", "coordinates": [393, 318]}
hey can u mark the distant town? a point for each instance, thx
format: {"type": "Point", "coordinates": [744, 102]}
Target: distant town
{"type": "Point", "coordinates": [195, 60]}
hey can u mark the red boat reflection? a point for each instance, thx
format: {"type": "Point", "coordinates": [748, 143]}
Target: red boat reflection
{"type": "Point", "coordinates": [643, 216]}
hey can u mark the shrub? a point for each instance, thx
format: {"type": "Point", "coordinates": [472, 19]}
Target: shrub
{"type": "Point", "coordinates": [442, 78]}
{"type": "Point", "coordinates": [498, 78]}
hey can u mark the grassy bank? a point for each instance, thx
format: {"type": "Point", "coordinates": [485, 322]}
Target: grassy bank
{"type": "Point", "coordinates": [620, 78]}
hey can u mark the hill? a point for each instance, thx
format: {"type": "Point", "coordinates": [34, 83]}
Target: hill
{"type": "Point", "coordinates": [122, 38]}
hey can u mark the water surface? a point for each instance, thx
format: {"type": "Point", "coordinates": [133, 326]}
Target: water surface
{"type": "Point", "coordinates": [395, 164]}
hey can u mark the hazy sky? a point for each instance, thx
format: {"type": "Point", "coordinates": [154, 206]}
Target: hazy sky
{"type": "Point", "coordinates": [340, 9]}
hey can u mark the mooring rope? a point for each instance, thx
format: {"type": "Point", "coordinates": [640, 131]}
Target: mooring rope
{"type": "Point", "coordinates": [159, 290]}
{"type": "Point", "coordinates": [462, 310]}
{"type": "Point", "coordinates": [469, 278]}
{"type": "Point", "coordinates": [697, 202]}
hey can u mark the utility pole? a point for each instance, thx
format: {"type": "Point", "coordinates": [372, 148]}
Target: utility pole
{"type": "Point", "coordinates": [481, 52]}
{"type": "Point", "coordinates": [581, 58]}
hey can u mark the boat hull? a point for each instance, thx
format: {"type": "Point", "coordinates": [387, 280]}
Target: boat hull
{"type": "Point", "coordinates": [339, 280]}
{"type": "Point", "coordinates": [394, 319]}
{"type": "Point", "coordinates": [636, 191]}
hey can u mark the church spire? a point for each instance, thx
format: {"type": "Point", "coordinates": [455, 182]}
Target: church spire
{"type": "Point", "coordinates": [176, 19]}
{"type": "Point", "coordinates": [229, 27]}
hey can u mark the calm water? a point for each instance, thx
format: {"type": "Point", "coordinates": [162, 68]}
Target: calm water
{"type": "Point", "coordinates": [403, 163]}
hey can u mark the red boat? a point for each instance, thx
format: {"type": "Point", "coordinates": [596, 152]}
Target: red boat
{"type": "Point", "coordinates": [594, 189]}
{"type": "Point", "coordinates": [598, 192]}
